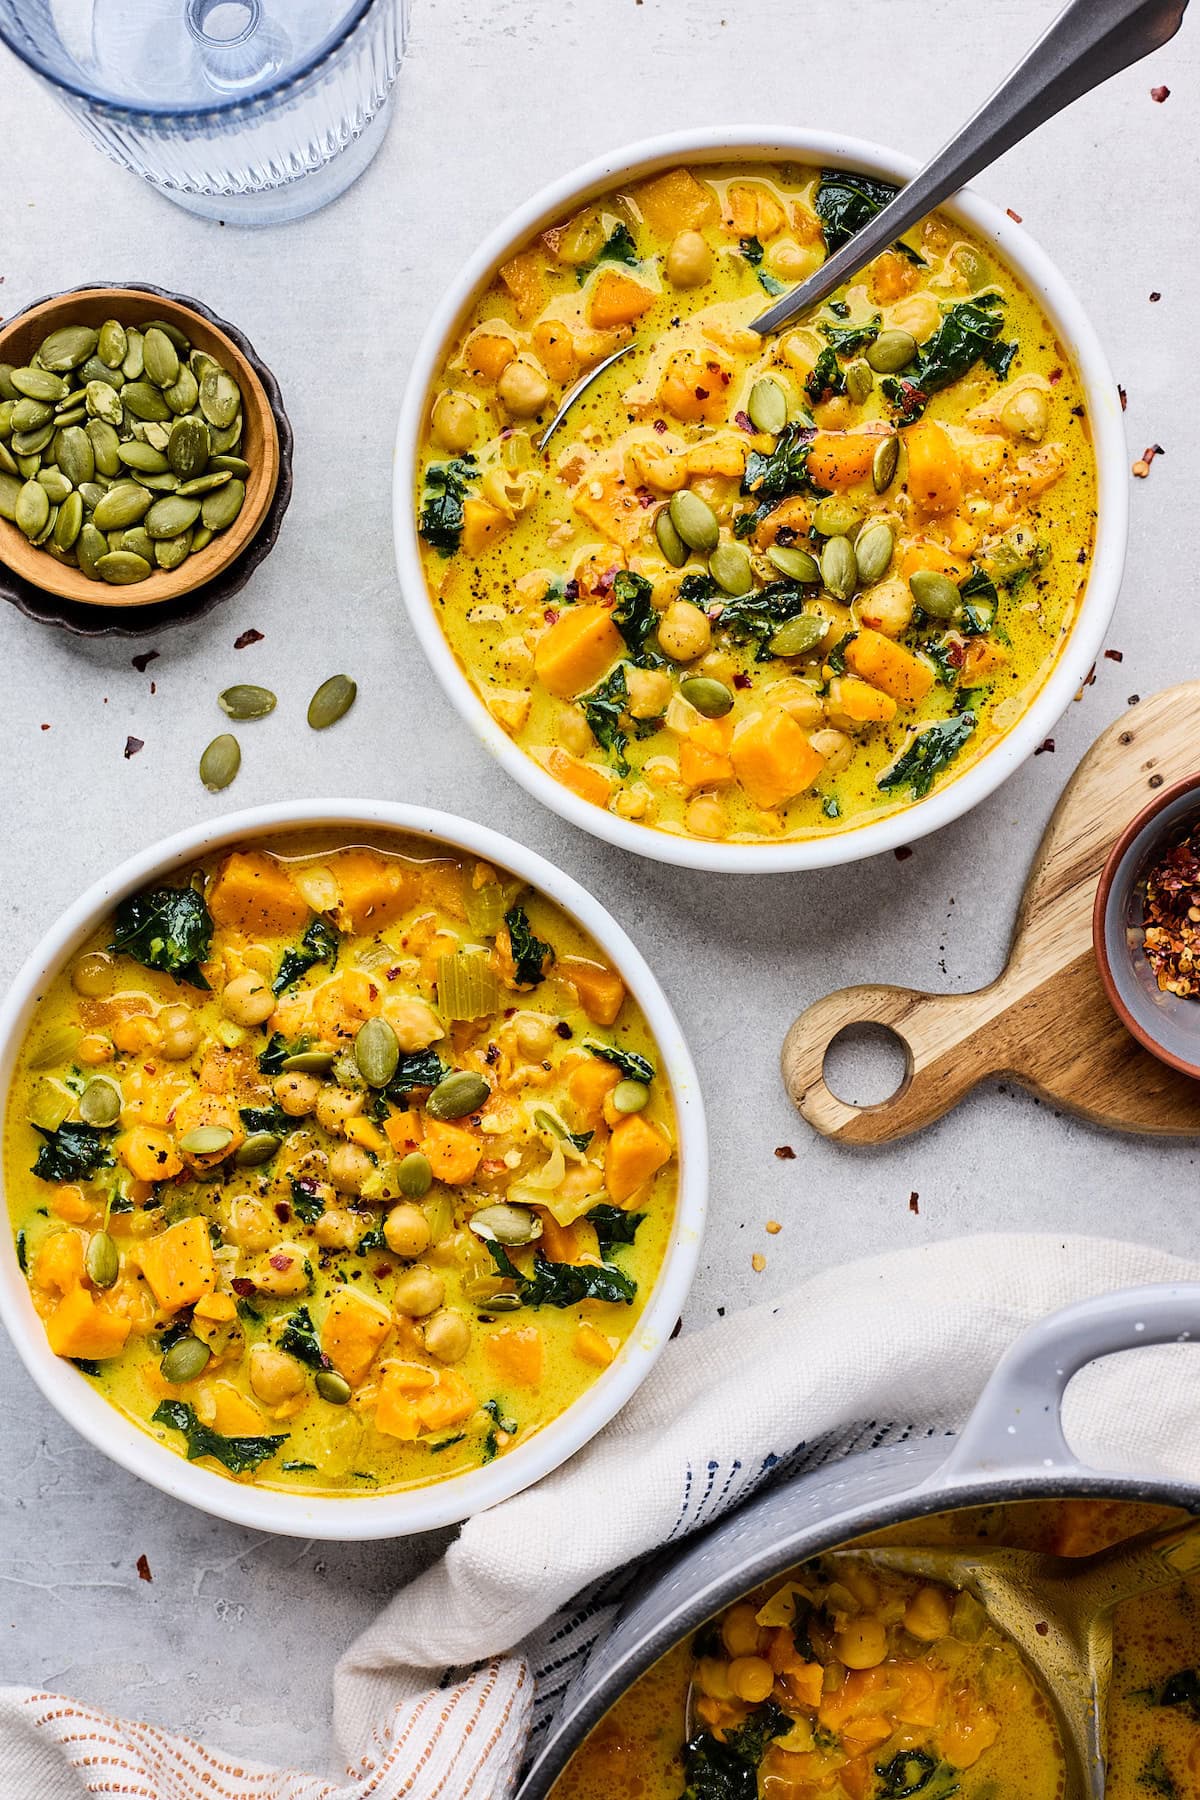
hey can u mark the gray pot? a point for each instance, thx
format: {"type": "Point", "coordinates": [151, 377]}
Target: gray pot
{"type": "Point", "coordinates": [1011, 1448]}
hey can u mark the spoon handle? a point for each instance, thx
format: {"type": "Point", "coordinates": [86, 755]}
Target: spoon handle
{"type": "Point", "coordinates": [1089, 41]}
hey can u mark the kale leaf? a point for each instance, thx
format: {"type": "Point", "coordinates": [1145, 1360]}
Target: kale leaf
{"type": "Point", "coordinates": [752, 250]}
{"type": "Point", "coordinates": [267, 1118]}
{"type": "Point", "coordinates": [773, 476]}
{"type": "Point", "coordinates": [166, 928]}
{"type": "Point", "coordinates": [618, 247]}
{"type": "Point", "coordinates": [846, 339]}
{"type": "Point", "coordinates": [846, 201]}
{"type": "Point", "coordinates": [564, 1284]}
{"type": "Point", "coordinates": [931, 751]}
{"type": "Point", "coordinates": [909, 1772]}
{"type": "Point", "coordinates": [826, 377]}
{"type": "Point", "coordinates": [237, 1454]}
{"type": "Point", "coordinates": [531, 956]}
{"type": "Point", "coordinates": [1183, 1690]}
{"type": "Point", "coordinates": [318, 945]}
{"type": "Point", "coordinates": [634, 615]}
{"type": "Point", "coordinates": [980, 601]}
{"type": "Point", "coordinates": [446, 488]}
{"type": "Point", "coordinates": [968, 334]}
{"type": "Point", "coordinates": [727, 1769]}
{"type": "Point", "coordinates": [22, 1252]}
{"type": "Point", "coordinates": [602, 709]}
{"type": "Point", "coordinates": [272, 1059]}
{"type": "Point", "coordinates": [756, 617]}
{"type": "Point", "coordinates": [71, 1153]}
{"type": "Point", "coordinates": [307, 1203]}
{"type": "Point", "coordinates": [299, 1339]}
{"type": "Point", "coordinates": [632, 1066]}
{"type": "Point", "coordinates": [614, 1226]}
{"type": "Point", "coordinates": [416, 1069]}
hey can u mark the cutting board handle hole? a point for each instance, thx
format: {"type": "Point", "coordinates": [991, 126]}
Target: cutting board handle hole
{"type": "Point", "coordinates": [865, 1065]}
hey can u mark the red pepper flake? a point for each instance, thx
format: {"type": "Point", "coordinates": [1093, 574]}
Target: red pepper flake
{"type": "Point", "coordinates": [562, 1029]}
{"type": "Point", "coordinates": [381, 1270]}
{"type": "Point", "coordinates": [550, 615]}
{"type": "Point", "coordinates": [1160, 94]}
{"type": "Point", "coordinates": [701, 393]}
{"type": "Point", "coordinates": [1047, 744]}
{"type": "Point", "coordinates": [1115, 655]}
{"type": "Point", "coordinates": [143, 1568]}
{"type": "Point", "coordinates": [154, 687]}
{"type": "Point", "coordinates": [133, 745]}
{"type": "Point", "coordinates": [785, 1153]}
{"type": "Point", "coordinates": [660, 425]}
{"type": "Point", "coordinates": [604, 585]}
{"type": "Point", "coordinates": [1170, 893]}
{"type": "Point", "coordinates": [280, 1262]}
{"type": "Point", "coordinates": [1141, 467]}
{"type": "Point", "coordinates": [1055, 376]}
{"type": "Point", "coordinates": [247, 638]}
{"type": "Point", "coordinates": [743, 421]}
{"type": "Point", "coordinates": [741, 681]}
{"type": "Point", "coordinates": [1124, 398]}
{"type": "Point", "coordinates": [902, 852]}
{"type": "Point", "coordinates": [1134, 700]}
{"type": "Point", "coordinates": [1155, 297]}
{"type": "Point", "coordinates": [914, 1202]}
{"type": "Point", "coordinates": [644, 497]}
{"type": "Point", "coordinates": [45, 728]}
{"type": "Point", "coordinates": [283, 1211]}
{"type": "Point", "coordinates": [1042, 1628]}
{"type": "Point", "coordinates": [1015, 216]}
{"type": "Point", "coordinates": [242, 1287]}
{"type": "Point", "coordinates": [143, 659]}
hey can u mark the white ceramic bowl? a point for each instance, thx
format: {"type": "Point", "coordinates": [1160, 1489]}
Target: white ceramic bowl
{"type": "Point", "coordinates": [1018, 250]}
{"type": "Point", "coordinates": [380, 1515]}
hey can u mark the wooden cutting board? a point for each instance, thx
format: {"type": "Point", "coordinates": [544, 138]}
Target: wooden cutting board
{"type": "Point", "coordinates": [1046, 1022]}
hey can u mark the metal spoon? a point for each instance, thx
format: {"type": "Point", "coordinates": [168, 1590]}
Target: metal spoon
{"type": "Point", "coordinates": [1089, 41]}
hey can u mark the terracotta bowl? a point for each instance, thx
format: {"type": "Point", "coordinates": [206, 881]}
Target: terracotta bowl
{"type": "Point", "coordinates": [1167, 1024]}
{"type": "Point", "coordinates": [19, 339]}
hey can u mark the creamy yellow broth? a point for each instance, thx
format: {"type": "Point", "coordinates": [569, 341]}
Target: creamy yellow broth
{"type": "Point", "coordinates": [583, 619]}
{"type": "Point", "coordinates": [321, 1168]}
{"type": "Point", "coordinates": [857, 1684]}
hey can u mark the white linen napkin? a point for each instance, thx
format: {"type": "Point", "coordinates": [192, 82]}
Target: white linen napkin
{"type": "Point", "coordinates": [437, 1699]}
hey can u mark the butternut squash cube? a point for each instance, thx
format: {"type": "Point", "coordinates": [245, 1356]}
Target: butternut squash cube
{"type": "Point", "coordinates": [890, 667]}
{"type": "Point", "coordinates": [453, 1153]}
{"type": "Point", "coordinates": [773, 759]}
{"type": "Point", "coordinates": [601, 991]}
{"type": "Point", "coordinates": [593, 1347]}
{"type": "Point", "coordinates": [577, 650]}
{"type": "Point", "coordinates": [374, 891]}
{"type": "Point", "coordinates": [590, 783]}
{"type": "Point", "coordinates": [676, 202]}
{"type": "Point", "coordinates": [525, 280]}
{"type": "Point", "coordinates": [449, 1403]}
{"type": "Point", "coordinates": [518, 1356]}
{"type": "Point", "coordinates": [80, 1327]}
{"type": "Point", "coordinates": [704, 759]}
{"type": "Point", "coordinates": [483, 525]}
{"type": "Point", "coordinates": [615, 299]}
{"type": "Point", "coordinates": [254, 893]}
{"type": "Point", "coordinates": [178, 1264]}
{"type": "Point", "coordinates": [354, 1328]}
{"type": "Point", "coordinates": [636, 1150]}
{"type": "Point", "coordinates": [59, 1265]}
{"type": "Point", "coordinates": [149, 1154]}
{"type": "Point", "coordinates": [852, 702]}
{"type": "Point", "coordinates": [837, 459]}
{"type": "Point", "coordinates": [935, 471]}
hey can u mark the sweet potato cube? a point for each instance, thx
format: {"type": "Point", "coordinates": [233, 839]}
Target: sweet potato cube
{"type": "Point", "coordinates": [178, 1263]}
{"type": "Point", "coordinates": [935, 471]}
{"type": "Point", "coordinates": [615, 509]}
{"type": "Point", "coordinates": [695, 386]}
{"type": "Point", "coordinates": [556, 348]}
{"type": "Point", "coordinates": [924, 553]}
{"type": "Point", "coordinates": [587, 1085]}
{"type": "Point", "coordinates": [80, 1327]}
{"type": "Point", "coordinates": [374, 891]}
{"type": "Point", "coordinates": [518, 1355]}
{"type": "Point", "coordinates": [488, 354]}
{"type": "Point", "coordinates": [577, 650]}
{"type": "Point", "coordinates": [676, 202]}
{"type": "Point", "coordinates": [449, 1403]}
{"type": "Point", "coordinates": [453, 1152]}
{"type": "Point", "coordinates": [525, 280]}
{"type": "Point", "coordinates": [254, 894]}
{"type": "Point", "coordinates": [851, 702]}
{"type": "Point", "coordinates": [889, 666]}
{"type": "Point", "coordinates": [773, 759]}
{"type": "Point", "coordinates": [636, 1150]}
{"type": "Point", "coordinates": [593, 1347]}
{"type": "Point", "coordinates": [617, 300]}
{"type": "Point", "coordinates": [837, 459]}
{"type": "Point", "coordinates": [601, 991]}
{"type": "Point", "coordinates": [59, 1265]}
{"type": "Point", "coordinates": [704, 759]}
{"type": "Point", "coordinates": [149, 1154]}
{"type": "Point", "coordinates": [354, 1328]}
{"type": "Point", "coordinates": [590, 783]}
{"type": "Point", "coordinates": [483, 526]}
{"type": "Point", "coordinates": [233, 1414]}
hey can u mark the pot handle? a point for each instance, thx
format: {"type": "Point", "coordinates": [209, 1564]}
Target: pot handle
{"type": "Point", "coordinates": [1017, 1421]}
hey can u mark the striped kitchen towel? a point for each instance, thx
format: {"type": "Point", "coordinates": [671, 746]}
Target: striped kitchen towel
{"type": "Point", "coordinates": [439, 1698]}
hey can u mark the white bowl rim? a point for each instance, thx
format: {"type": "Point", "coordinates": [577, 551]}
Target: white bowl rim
{"type": "Point", "coordinates": [1075, 660]}
{"type": "Point", "coordinates": [357, 1518]}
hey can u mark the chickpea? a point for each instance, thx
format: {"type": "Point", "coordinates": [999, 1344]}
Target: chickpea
{"type": "Point", "coordinates": [335, 1105]}
{"type": "Point", "coordinates": [796, 697]}
{"type": "Point", "coordinates": [448, 1337]}
{"type": "Point", "coordinates": [862, 1644]}
{"type": "Point", "coordinates": [406, 1230]}
{"type": "Point", "coordinates": [705, 817]}
{"type": "Point", "coordinates": [713, 1677]}
{"type": "Point", "coordinates": [515, 658]}
{"type": "Point", "coordinates": [180, 1032]}
{"type": "Point", "coordinates": [247, 999]}
{"type": "Point", "coordinates": [274, 1375]}
{"type": "Point", "coordinates": [283, 1272]}
{"type": "Point", "coordinates": [93, 974]}
{"type": "Point", "coordinates": [252, 1226]}
{"type": "Point", "coordinates": [689, 260]}
{"type": "Point", "coordinates": [574, 732]}
{"type": "Point", "coordinates": [836, 747]}
{"type": "Point", "coordinates": [297, 1094]}
{"type": "Point", "coordinates": [649, 692]}
{"type": "Point", "coordinates": [534, 1034]}
{"type": "Point", "coordinates": [918, 314]}
{"type": "Point", "coordinates": [1026, 414]}
{"type": "Point", "coordinates": [633, 803]}
{"type": "Point", "coordinates": [93, 1050]}
{"type": "Point", "coordinates": [927, 1615]}
{"type": "Point", "coordinates": [415, 1024]}
{"type": "Point", "coordinates": [751, 1678]}
{"type": "Point", "coordinates": [349, 1166]}
{"type": "Point", "coordinates": [739, 1630]}
{"type": "Point", "coordinates": [684, 631]}
{"type": "Point", "coordinates": [888, 607]}
{"type": "Point", "coordinates": [523, 388]}
{"type": "Point", "coordinates": [792, 261]}
{"type": "Point", "coordinates": [417, 1292]}
{"type": "Point", "coordinates": [337, 1229]}
{"type": "Point", "coordinates": [454, 421]}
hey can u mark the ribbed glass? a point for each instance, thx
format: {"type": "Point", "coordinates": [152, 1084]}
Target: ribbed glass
{"type": "Point", "coordinates": [223, 104]}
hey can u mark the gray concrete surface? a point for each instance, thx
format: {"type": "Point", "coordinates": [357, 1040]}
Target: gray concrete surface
{"type": "Point", "coordinates": [236, 1634]}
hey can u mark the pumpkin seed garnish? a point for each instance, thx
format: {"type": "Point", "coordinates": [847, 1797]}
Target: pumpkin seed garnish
{"type": "Point", "coordinates": [184, 1361]}
{"type": "Point", "coordinates": [891, 352]}
{"type": "Point", "coordinates": [206, 1140]}
{"type": "Point", "coordinates": [246, 702]}
{"type": "Point", "coordinates": [414, 1176]}
{"type": "Point", "coordinates": [331, 702]}
{"type": "Point", "coordinates": [839, 570]}
{"type": "Point", "coordinates": [102, 1260]}
{"type": "Point", "coordinates": [377, 1052]}
{"type": "Point", "coordinates": [883, 464]}
{"type": "Point", "coordinates": [669, 540]}
{"type": "Point", "coordinates": [729, 566]}
{"type": "Point", "coordinates": [457, 1095]}
{"type": "Point", "coordinates": [100, 1103]}
{"type": "Point", "coordinates": [797, 565]}
{"type": "Point", "coordinates": [257, 1149]}
{"type": "Point", "coordinates": [711, 698]}
{"type": "Point", "coordinates": [767, 406]}
{"type": "Point", "coordinates": [935, 594]}
{"type": "Point", "coordinates": [695, 521]}
{"type": "Point", "coordinates": [873, 553]}
{"type": "Point", "coordinates": [220, 762]}
{"type": "Point", "coordinates": [332, 1387]}
{"type": "Point", "coordinates": [799, 635]}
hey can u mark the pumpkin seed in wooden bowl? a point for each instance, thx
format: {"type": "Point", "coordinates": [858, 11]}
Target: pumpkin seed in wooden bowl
{"type": "Point", "coordinates": [139, 452]}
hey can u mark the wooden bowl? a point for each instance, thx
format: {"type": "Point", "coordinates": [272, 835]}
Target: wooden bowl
{"type": "Point", "coordinates": [1168, 1025]}
{"type": "Point", "coordinates": [19, 339]}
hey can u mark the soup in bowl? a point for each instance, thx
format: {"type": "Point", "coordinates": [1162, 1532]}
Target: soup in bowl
{"type": "Point", "coordinates": [758, 603]}
{"type": "Point", "coordinates": [346, 1160]}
